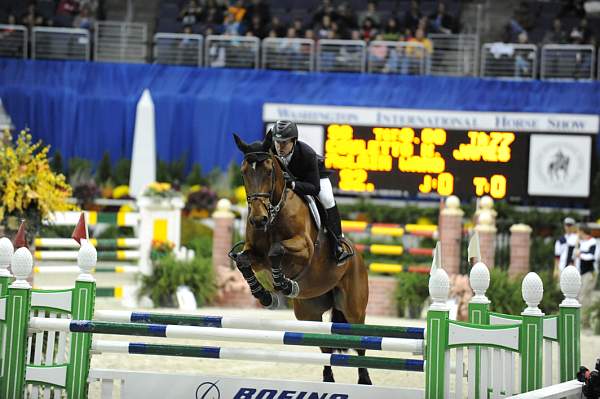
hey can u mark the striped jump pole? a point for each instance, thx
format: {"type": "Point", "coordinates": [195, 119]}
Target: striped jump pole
{"type": "Point", "coordinates": [224, 334]}
{"type": "Point", "coordinates": [261, 324]}
{"type": "Point", "coordinates": [388, 249]}
{"type": "Point", "coordinates": [389, 229]}
{"type": "Point", "coordinates": [99, 243]}
{"type": "Point", "coordinates": [211, 352]}
{"type": "Point", "coordinates": [75, 269]}
{"type": "Point", "coordinates": [393, 268]}
{"type": "Point", "coordinates": [102, 255]}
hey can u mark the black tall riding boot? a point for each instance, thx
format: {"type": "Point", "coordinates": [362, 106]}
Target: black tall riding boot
{"type": "Point", "coordinates": [334, 225]}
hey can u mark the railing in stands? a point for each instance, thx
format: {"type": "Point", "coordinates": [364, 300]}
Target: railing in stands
{"type": "Point", "coordinates": [509, 60]}
{"type": "Point", "coordinates": [567, 61]}
{"type": "Point", "coordinates": [60, 44]}
{"type": "Point", "coordinates": [120, 42]}
{"type": "Point", "coordinates": [454, 55]}
{"type": "Point", "coordinates": [288, 54]}
{"type": "Point", "coordinates": [406, 58]}
{"type": "Point", "coordinates": [13, 41]}
{"type": "Point", "coordinates": [341, 55]}
{"type": "Point", "coordinates": [178, 49]}
{"type": "Point", "coordinates": [231, 52]}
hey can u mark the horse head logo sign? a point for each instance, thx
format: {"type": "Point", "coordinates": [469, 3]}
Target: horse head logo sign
{"type": "Point", "coordinates": [208, 390]}
{"type": "Point", "coordinates": [559, 165]}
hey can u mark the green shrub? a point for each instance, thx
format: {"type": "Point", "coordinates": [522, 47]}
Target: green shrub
{"type": "Point", "coordinates": [505, 295]}
{"type": "Point", "coordinates": [104, 171]}
{"type": "Point", "coordinates": [202, 245]}
{"type": "Point", "coordinates": [412, 290]}
{"type": "Point", "coordinates": [191, 229]}
{"type": "Point", "coordinates": [170, 273]}
{"type": "Point", "coordinates": [121, 172]}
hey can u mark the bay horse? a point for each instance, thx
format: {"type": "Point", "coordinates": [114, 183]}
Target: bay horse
{"type": "Point", "coordinates": [282, 238]}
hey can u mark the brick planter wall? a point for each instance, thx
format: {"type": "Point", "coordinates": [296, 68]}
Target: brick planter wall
{"type": "Point", "coordinates": [381, 296]}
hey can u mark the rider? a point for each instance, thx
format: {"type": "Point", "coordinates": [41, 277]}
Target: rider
{"type": "Point", "coordinates": [309, 177]}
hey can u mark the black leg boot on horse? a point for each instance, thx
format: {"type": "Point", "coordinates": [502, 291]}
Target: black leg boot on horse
{"type": "Point", "coordinates": [342, 250]}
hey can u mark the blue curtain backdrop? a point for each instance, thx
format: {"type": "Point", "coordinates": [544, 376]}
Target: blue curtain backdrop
{"type": "Point", "coordinates": [84, 109]}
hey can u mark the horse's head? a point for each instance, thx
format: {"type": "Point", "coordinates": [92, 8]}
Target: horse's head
{"type": "Point", "coordinates": [262, 180]}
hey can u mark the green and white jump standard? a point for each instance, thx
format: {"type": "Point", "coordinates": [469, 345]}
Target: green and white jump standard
{"type": "Point", "coordinates": [492, 356]}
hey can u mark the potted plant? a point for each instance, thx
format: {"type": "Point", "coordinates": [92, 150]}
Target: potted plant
{"type": "Point", "coordinates": [29, 189]}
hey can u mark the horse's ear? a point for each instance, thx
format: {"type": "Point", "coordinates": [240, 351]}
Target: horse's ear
{"type": "Point", "coordinates": [240, 143]}
{"type": "Point", "coordinates": [268, 141]}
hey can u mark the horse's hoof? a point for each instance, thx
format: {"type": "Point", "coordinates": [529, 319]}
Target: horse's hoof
{"type": "Point", "coordinates": [274, 303]}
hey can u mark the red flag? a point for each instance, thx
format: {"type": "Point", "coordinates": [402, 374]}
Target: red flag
{"type": "Point", "coordinates": [20, 239]}
{"type": "Point", "coordinates": [80, 231]}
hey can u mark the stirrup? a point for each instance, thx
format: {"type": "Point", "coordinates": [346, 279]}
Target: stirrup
{"type": "Point", "coordinates": [342, 256]}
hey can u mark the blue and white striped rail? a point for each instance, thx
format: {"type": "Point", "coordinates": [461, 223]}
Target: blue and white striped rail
{"type": "Point", "coordinates": [119, 316]}
{"type": "Point", "coordinates": [225, 334]}
{"type": "Point", "coordinates": [260, 355]}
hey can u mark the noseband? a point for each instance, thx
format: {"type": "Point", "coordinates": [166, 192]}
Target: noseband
{"type": "Point", "coordinates": [272, 210]}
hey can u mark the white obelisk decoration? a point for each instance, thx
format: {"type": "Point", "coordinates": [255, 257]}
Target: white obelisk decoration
{"type": "Point", "coordinates": [143, 157]}
{"type": "Point", "coordinates": [474, 250]}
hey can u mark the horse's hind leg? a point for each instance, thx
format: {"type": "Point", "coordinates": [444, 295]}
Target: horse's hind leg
{"type": "Point", "coordinates": [312, 310]}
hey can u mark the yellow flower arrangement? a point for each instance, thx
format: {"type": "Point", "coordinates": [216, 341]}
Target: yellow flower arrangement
{"type": "Point", "coordinates": [160, 190]}
{"type": "Point", "coordinates": [240, 194]}
{"type": "Point", "coordinates": [120, 191]}
{"type": "Point", "coordinates": [28, 187]}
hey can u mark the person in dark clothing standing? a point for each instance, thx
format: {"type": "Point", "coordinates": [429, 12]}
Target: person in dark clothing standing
{"type": "Point", "coordinates": [308, 176]}
{"type": "Point", "coordinates": [586, 255]}
{"type": "Point", "coordinates": [565, 246]}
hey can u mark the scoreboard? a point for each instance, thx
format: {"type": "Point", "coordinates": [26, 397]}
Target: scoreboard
{"type": "Point", "coordinates": [423, 153]}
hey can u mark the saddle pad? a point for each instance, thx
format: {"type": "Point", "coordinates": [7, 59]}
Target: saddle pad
{"type": "Point", "coordinates": [314, 211]}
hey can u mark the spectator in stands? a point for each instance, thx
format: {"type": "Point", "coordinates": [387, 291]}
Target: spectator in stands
{"type": "Point", "coordinates": [238, 10]}
{"type": "Point", "coordinates": [84, 20]}
{"type": "Point", "coordinates": [326, 8]}
{"type": "Point", "coordinates": [32, 17]}
{"type": "Point", "coordinates": [290, 48]}
{"type": "Point", "coordinates": [371, 13]}
{"type": "Point", "coordinates": [523, 58]}
{"type": "Point", "coordinates": [368, 30]}
{"type": "Point", "coordinates": [378, 53]}
{"type": "Point", "coordinates": [556, 35]}
{"type": "Point", "coordinates": [424, 25]}
{"type": "Point", "coordinates": [412, 16]}
{"type": "Point", "coordinates": [442, 22]}
{"type": "Point", "coordinates": [191, 13]}
{"type": "Point", "coordinates": [415, 55]}
{"type": "Point", "coordinates": [391, 32]}
{"type": "Point", "coordinates": [257, 27]}
{"type": "Point", "coordinates": [309, 34]}
{"type": "Point", "coordinates": [324, 28]}
{"type": "Point", "coordinates": [298, 25]}
{"type": "Point", "coordinates": [397, 62]}
{"type": "Point", "coordinates": [213, 14]}
{"type": "Point", "coordinates": [277, 26]}
{"type": "Point", "coordinates": [257, 8]}
{"type": "Point", "coordinates": [67, 7]}
{"type": "Point", "coordinates": [581, 34]}
{"type": "Point", "coordinates": [231, 27]}
{"type": "Point", "coordinates": [346, 19]}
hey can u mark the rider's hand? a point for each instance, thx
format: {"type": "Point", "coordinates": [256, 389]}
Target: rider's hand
{"type": "Point", "coordinates": [287, 177]}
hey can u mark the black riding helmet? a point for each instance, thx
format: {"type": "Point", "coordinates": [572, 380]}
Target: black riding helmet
{"type": "Point", "coordinates": [285, 130]}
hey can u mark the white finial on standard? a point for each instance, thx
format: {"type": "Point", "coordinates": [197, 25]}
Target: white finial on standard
{"type": "Point", "coordinates": [485, 218]}
{"type": "Point", "coordinates": [452, 202]}
{"type": "Point", "coordinates": [439, 282]}
{"type": "Point", "coordinates": [486, 202]}
{"type": "Point", "coordinates": [570, 284]}
{"type": "Point", "coordinates": [223, 209]}
{"type": "Point", "coordinates": [6, 252]}
{"type": "Point", "coordinates": [474, 250]}
{"type": "Point", "coordinates": [479, 278]}
{"type": "Point", "coordinates": [86, 260]}
{"type": "Point", "coordinates": [532, 290]}
{"type": "Point", "coordinates": [22, 265]}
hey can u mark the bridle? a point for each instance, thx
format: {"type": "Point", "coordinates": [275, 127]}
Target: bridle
{"type": "Point", "coordinates": [272, 210]}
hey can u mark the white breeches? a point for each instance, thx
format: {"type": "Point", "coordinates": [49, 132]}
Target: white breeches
{"type": "Point", "coordinates": [326, 194]}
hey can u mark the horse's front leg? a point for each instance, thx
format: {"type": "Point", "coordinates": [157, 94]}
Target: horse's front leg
{"type": "Point", "coordinates": [244, 261]}
{"type": "Point", "coordinates": [297, 251]}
